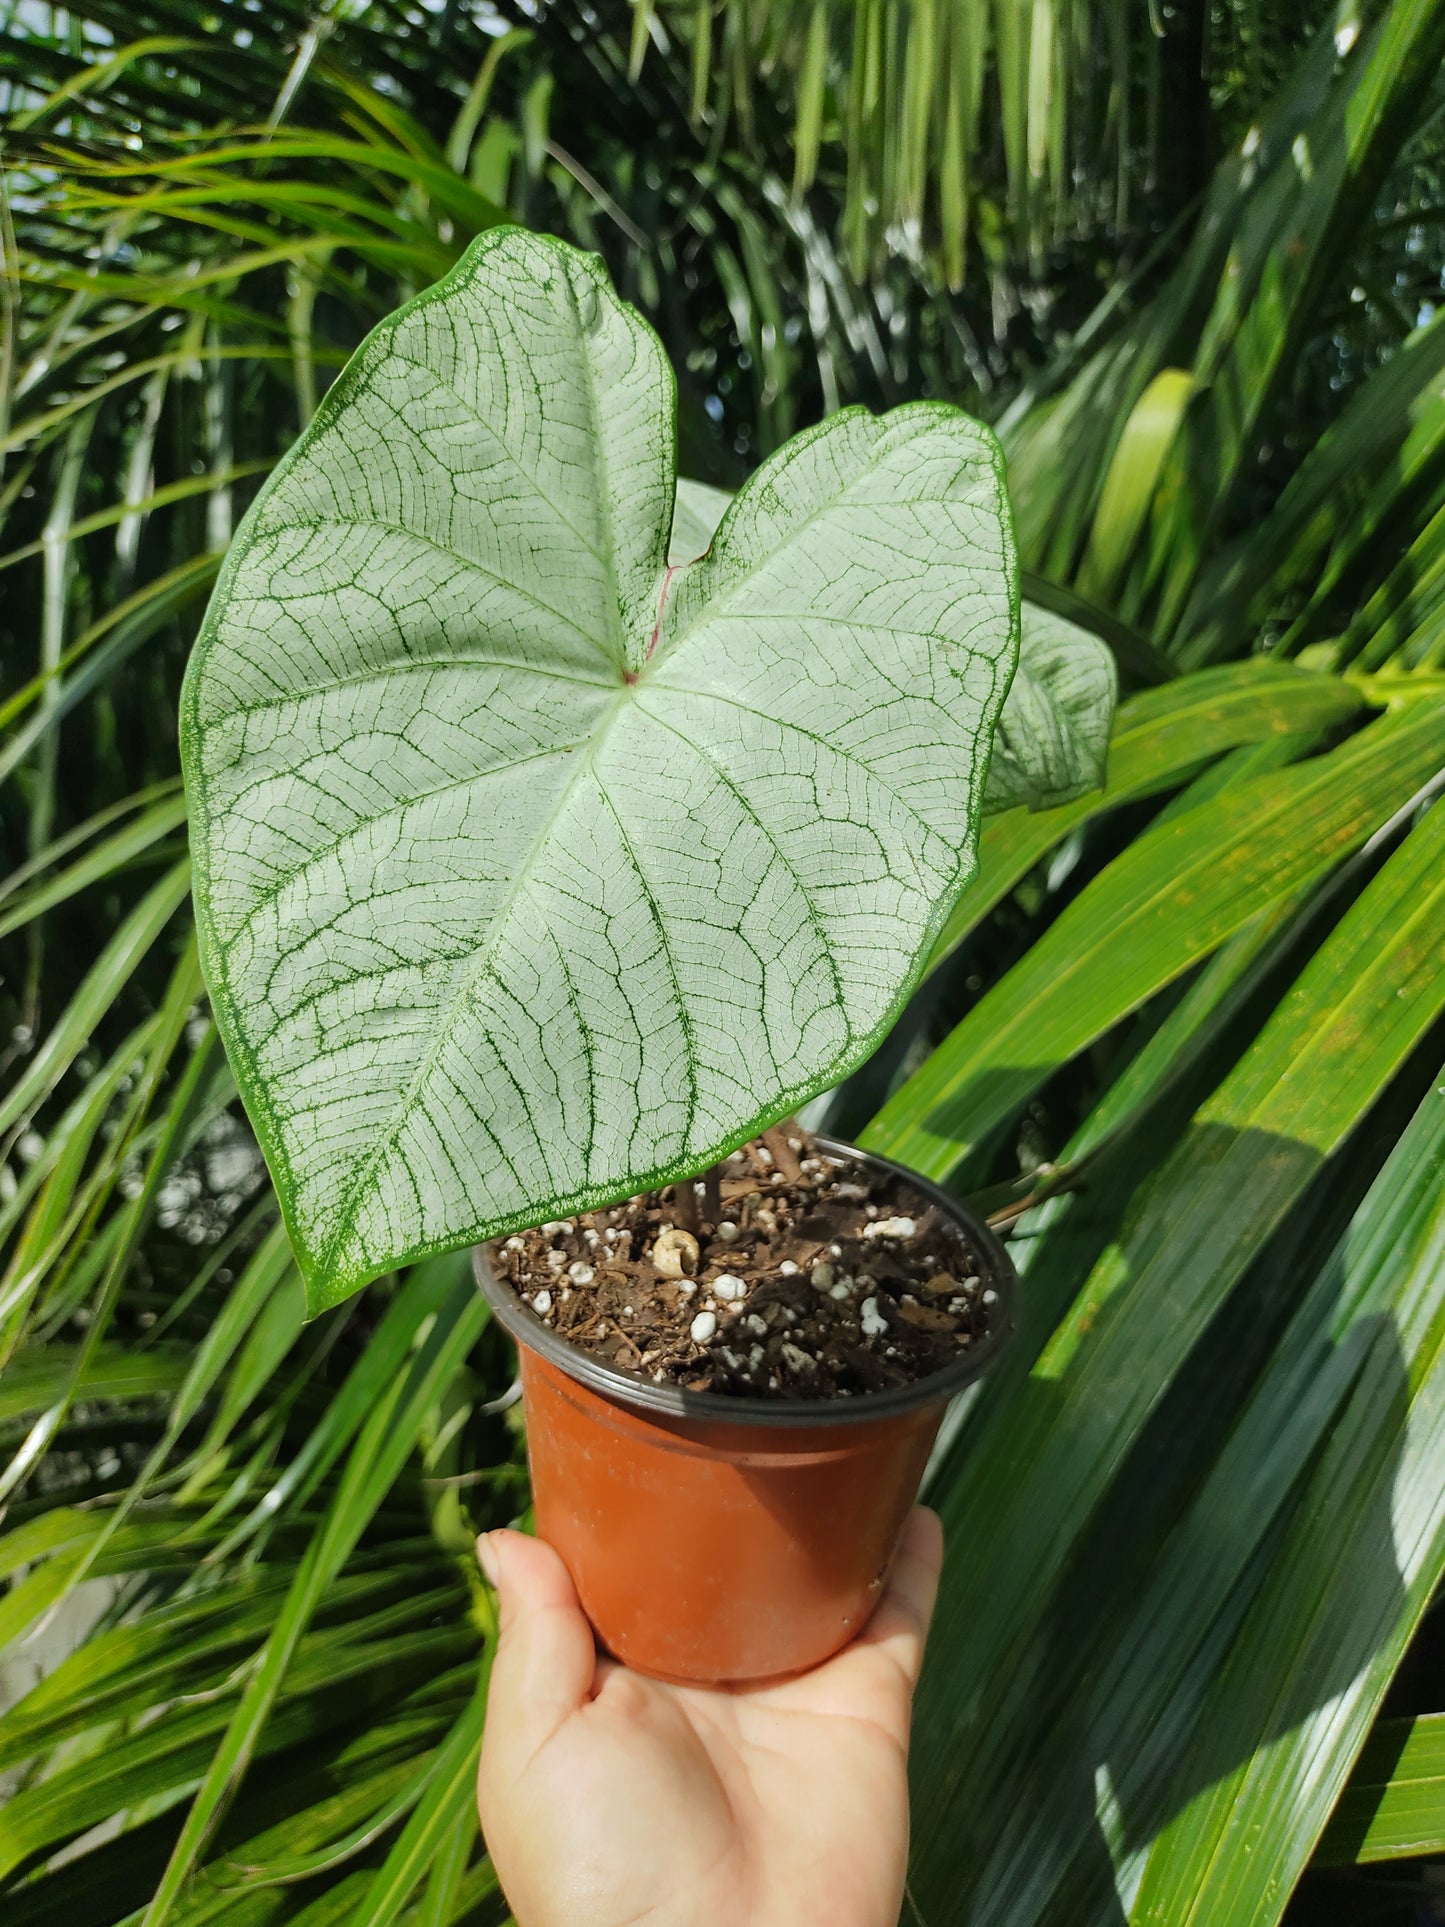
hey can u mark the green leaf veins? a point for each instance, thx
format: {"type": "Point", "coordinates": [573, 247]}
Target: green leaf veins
{"type": "Point", "coordinates": [532, 871]}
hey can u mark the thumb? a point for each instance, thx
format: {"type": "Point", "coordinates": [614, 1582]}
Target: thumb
{"type": "Point", "coordinates": [545, 1656]}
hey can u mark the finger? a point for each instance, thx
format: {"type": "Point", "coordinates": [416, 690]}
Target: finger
{"type": "Point", "coordinates": [545, 1656]}
{"type": "Point", "coordinates": [900, 1625]}
{"type": "Point", "coordinates": [603, 1671]}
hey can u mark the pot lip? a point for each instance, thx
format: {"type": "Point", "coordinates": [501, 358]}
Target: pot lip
{"type": "Point", "coordinates": [671, 1401]}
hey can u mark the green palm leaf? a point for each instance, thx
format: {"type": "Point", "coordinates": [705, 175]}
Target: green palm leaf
{"type": "Point", "coordinates": [1182, 1034]}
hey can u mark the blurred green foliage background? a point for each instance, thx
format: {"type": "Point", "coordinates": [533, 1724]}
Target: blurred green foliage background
{"type": "Point", "coordinates": [1183, 1038]}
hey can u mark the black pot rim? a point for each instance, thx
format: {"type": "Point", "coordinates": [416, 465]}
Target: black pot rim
{"type": "Point", "coordinates": [670, 1401]}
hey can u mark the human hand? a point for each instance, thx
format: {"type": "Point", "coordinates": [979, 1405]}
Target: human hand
{"type": "Point", "coordinates": [611, 1800]}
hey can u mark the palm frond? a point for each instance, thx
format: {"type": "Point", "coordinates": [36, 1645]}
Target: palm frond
{"type": "Point", "coordinates": [1183, 1037]}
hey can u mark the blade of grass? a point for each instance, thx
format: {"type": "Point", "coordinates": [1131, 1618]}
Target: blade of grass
{"type": "Point", "coordinates": [1358, 1008]}
{"type": "Point", "coordinates": [1161, 737]}
{"type": "Point", "coordinates": [450, 1794]}
{"type": "Point", "coordinates": [1393, 1806]}
{"type": "Point", "coordinates": [115, 853]}
{"type": "Point", "coordinates": [110, 971]}
{"type": "Point", "coordinates": [1278, 1730]}
{"type": "Point", "coordinates": [381, 1448]}
{"type": "Point", "coordinates": [1175, 894]}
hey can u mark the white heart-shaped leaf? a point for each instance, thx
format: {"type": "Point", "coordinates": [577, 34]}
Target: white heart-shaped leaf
{"type": "Point", "coordinates": [531, 872]}
{"type": "Point", "coordinates": [1051, 742]}
{"type": "Point", "coordinates": [695, 515]}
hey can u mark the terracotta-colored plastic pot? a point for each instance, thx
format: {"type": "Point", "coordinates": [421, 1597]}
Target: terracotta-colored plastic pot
{"type": "Point", "coordinates": [714, 1538]}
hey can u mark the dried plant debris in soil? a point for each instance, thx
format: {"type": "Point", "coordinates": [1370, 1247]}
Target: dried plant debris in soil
{"type": "Point", "coordinates": [806, 1276]}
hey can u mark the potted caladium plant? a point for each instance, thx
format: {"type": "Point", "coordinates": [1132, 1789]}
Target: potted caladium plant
{"type": "Point", "coordinates": [558, 832]}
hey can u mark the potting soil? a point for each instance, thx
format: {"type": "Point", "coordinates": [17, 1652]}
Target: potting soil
{"type": "Point", "coordinates": [805, 1275]}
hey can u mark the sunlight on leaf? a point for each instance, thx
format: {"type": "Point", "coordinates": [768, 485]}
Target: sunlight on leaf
{"type": "Point", "coordinates": [530, 871]}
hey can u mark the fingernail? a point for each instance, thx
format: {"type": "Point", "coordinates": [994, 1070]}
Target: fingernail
{"type": "Point", "coordinates": [487, 1558]}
